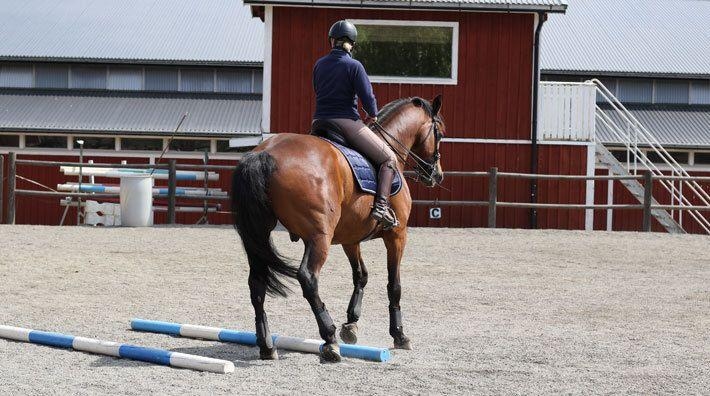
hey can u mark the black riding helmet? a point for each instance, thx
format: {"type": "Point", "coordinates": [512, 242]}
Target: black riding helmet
{"type": "Point", "coordinates": [342, 29]}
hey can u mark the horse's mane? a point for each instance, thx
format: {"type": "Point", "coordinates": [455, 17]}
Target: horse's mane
{"type": "Point", "coordinates": [394, 106]}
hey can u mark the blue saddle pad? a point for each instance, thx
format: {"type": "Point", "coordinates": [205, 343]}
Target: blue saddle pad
{"type": "Point", "coordinates": [363, 170]}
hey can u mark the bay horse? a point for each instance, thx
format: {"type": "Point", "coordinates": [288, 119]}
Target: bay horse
{"type": "Point", "coordinates": [306, 184]}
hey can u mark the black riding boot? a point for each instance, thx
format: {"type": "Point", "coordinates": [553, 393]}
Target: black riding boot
{"type": "Point", "coordinates": [381, 210]}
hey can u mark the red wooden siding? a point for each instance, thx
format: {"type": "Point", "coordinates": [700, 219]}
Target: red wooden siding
{"type": "Point", "coordinates": [491, 100]}
{"type": "Point", "coordinates": [632, 219]}
{"type": "Point", "coordinates": [566, 160]}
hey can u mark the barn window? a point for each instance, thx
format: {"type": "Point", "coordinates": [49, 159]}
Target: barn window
{"type": "Point", "coordinates": [700, 92]}
{"type": "Point", "coordinates": [88, 77]}
{"type": "Point", "coordinates": [189, 145]}
{"type": "Point", "coordinates": [234, 81]}
{"type": "Point", "coordinates": [408, 51]}
{"type": "Point", "coordinates": [141, 144]}
{"type": "Point", "coordinates": [51, 76]}
{"type": "Point", "coordinates": [9, 140]}
{"type": "Point", "coordinates": [46, 141]}
{"type": "Point", "coordinates": [125, 78]}
{"type": "Point", "coordinates": [96, 143]}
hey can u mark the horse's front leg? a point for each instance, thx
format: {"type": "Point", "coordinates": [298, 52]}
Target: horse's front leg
{"type": "Point", "coordinates": [313, 259]}
{"type": "Point", "coordinates": [395, 243]}
{"type": "Point", "coordinates": [348, 332]}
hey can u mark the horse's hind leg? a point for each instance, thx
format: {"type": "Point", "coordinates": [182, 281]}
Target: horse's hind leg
{"type": "Point", "coordinates": [257, 289]}
{"type": "Point", "coordinates": [348, 332]}
{"type": "Point", "coordinates": [395, 243]}
{"type": "Point", "coordinates": [313, 260]}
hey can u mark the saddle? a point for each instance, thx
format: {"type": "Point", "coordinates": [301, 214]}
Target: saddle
{"type": "Point", "coordinates": [364, 171]}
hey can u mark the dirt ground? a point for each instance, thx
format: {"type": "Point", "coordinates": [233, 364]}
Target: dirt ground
{"type": "Point", "coordinates": [488, 312]}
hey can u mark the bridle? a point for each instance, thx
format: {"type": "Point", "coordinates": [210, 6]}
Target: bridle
{"type": "Point", "coordinates": [425, 169]}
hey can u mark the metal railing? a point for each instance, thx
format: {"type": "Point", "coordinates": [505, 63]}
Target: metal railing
{"type": "Point", "coordinates": [632, 133]}
{"type": "Point", "coordinates": [493, 204]}
{"type": "Point", "coordinates": [171, 166]}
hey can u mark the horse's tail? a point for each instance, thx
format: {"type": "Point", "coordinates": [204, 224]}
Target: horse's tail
{"type": "Point", "coordinates": [254, 219]}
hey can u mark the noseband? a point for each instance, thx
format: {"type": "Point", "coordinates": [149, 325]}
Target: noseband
{"type": "Point", "coordinates": [424, 168]}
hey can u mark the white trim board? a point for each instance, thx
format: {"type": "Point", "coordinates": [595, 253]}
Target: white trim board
{"type": "Point", "coordinates": [268, 64]}
{"type": "Point", "coordinates": [515, 141]}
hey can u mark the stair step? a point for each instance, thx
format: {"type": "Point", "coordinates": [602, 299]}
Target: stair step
{"type": "Point", "coordinates": [604, 156]}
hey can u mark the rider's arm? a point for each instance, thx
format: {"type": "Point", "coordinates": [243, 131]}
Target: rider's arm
{"type": "Point", "coordinates": [363, 89]}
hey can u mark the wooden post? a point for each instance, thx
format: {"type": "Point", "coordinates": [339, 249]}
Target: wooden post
{"type": "Point", "coordinates": [2, 185]}
{"type": "Point", "coordinates": [647, 197]}
{"type": "Point", "coordinates": [11, 180]}
{"type": "Point", "coordinates": [172, 176]}
{"type": "Point", "coordinates": [492, 196]}
{"type": "Point", "coordinates": [206, 181]}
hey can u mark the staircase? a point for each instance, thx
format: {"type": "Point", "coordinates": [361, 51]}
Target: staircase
{"type": "Point", "coordinates": [636, 189]}
{"type": "Point", "coordinates": [632, 133]}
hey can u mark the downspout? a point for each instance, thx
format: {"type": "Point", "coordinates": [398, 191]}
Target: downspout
{"type": "Point", "coordinates": [541, 16]}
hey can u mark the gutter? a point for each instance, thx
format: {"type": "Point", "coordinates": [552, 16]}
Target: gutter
{"type": "Point", "coordinates": [413, 5]}
{"type": "Point", "coordinates": [534, 153]}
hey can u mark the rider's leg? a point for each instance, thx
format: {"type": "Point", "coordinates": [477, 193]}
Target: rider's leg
{"type": "Point", "coordinates": [364, 140]}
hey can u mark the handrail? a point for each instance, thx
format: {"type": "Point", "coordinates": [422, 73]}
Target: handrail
{"type": "Point", "coordinates": [632, 148]}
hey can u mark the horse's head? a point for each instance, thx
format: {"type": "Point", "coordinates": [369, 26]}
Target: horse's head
{"type": "Point", "coordinates": [427, 140]}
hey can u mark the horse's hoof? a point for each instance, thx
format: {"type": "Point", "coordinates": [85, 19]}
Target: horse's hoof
{"type": "Point", "coordinates": [403, 343]}
{"type": "Point", "coordinates": [330, 353]}
{"type": "Point", "coordinates": [268, 354]}
{"type": "Point", "coordinates": [348, 333]}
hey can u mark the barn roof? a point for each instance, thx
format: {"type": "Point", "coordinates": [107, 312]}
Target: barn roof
{"type": "Point", "coordinates": [463, 5]}
{"type": "Point", "coordinates": [132, 31]}
{"type": "Point", "coordinates": [129, 113]}
{"type": "Point", "coordinates": [672, 125]}
{"type": "Point", "coordinates": [662, 38]}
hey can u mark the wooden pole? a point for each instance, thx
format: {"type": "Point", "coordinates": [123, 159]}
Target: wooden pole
{"type": "Point", "coordinates": [492, 196]}
{"type": "Point", "coordinates": [172, 176]}
{"type": "Point", "coordinates": [11, 180]}
{"type": "Point", "coordinates": [647, 197]}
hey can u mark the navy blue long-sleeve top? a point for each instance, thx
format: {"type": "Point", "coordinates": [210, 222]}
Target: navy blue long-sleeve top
{"type": "Point", "coordinates": [339, 80]}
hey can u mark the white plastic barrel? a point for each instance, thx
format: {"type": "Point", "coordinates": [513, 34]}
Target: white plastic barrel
{"type": "Point", "coordinates": [137, 201]}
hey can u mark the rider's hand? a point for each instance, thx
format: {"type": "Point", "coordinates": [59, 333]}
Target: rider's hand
{"type": "Point", "coordinates": [370, 120]}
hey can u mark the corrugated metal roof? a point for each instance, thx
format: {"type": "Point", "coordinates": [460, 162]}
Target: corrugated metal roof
{"type": "Point", "coordinates": [128, 114]}
{"type": "Point", "coordinates": [637, 37]}
{"type": "Point", "coordinates": [498, 5]}
{"type": "Point", "coordinates": [671, 125]}
{"type": "Point", "coordinates": [157, 31]}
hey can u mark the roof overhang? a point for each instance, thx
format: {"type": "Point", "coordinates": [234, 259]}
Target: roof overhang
{"type": "Point", "coordinates": [608, 73]}
{"type": "Point", "coordinates": [461, 5]}
{"type": "Point", "coordinates": [121, 61]}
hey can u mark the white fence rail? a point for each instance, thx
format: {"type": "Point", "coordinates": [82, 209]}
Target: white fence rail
{"type": "Point", "coordinates": [566, 111]}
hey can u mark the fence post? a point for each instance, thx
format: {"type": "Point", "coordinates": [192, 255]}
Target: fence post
{"type": "Point", "coordinates": [11, 180]}
{"type": "Point", "coordinates": [172, 176]}
{"type": "Point", "coordinates": [647, 197]}
{"type": "Point", "coordinates": [2, 186]}
{"type": "Point", "coordinates": [492, 196]}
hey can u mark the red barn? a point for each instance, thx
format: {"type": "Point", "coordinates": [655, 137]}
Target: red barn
{"type": "Point", "coordinates": [485, 65]}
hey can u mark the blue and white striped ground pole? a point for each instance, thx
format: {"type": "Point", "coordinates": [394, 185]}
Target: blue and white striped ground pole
{"type": "Point", "coordinates": [249, 338]}
{"type": "Point", "coordinates": [150, 355]}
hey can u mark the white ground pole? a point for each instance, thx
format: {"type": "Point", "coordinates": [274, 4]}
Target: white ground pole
{"type": "Point", "coordinates": [99, 347]}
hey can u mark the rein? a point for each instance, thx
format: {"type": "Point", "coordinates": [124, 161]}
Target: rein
{"type": "Point", "coordinates": [421, 166]}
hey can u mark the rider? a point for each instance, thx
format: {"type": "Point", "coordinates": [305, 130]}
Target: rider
{"type": "Point", "coordinates": [339, 80]}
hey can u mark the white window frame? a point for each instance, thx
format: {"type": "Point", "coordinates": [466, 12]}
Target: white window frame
{"type": "Point", "coordinates": [419, 80]}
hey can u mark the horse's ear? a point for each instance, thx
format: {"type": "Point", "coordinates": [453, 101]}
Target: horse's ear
{"type": "Point", "coordinates": [418, 102]}
{"type": "Point", "coordinates": [436, 105]}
